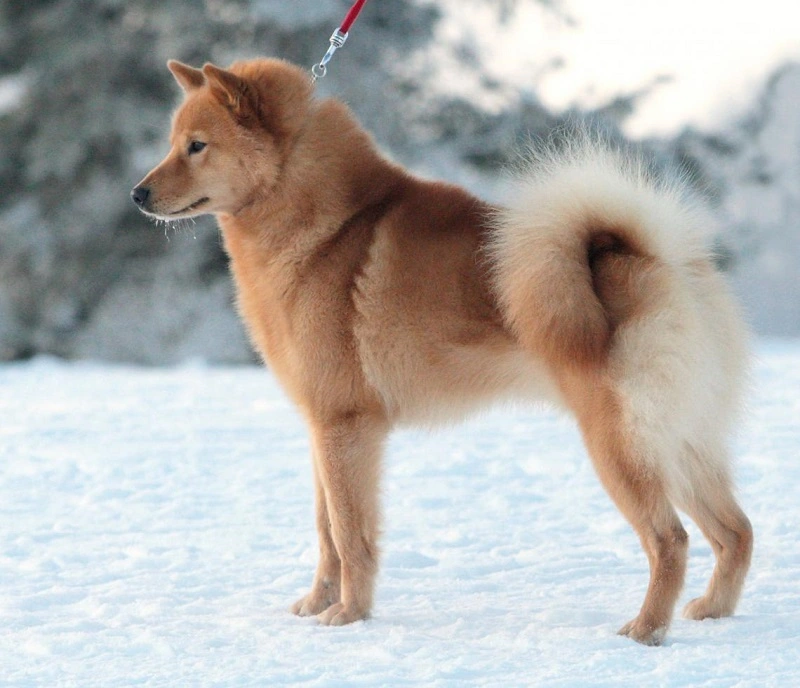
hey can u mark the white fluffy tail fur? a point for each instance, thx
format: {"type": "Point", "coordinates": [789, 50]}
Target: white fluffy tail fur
{"type": "Point", "coordinates": [606, 274]}
{"type": "Point", "coordinates": [598, 262]}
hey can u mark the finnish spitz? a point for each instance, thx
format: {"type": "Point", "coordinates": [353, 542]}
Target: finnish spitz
{"type": "Point", "coordinates": [380, 299]}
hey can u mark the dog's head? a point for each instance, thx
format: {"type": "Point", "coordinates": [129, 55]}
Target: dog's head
{"type": "Point", "coordinates": [229, 138]}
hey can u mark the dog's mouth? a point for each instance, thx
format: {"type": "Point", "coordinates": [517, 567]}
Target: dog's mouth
{"type": "Point", "coordinates": [192, 206]}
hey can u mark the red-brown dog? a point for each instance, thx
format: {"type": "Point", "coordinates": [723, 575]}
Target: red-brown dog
{"type": "Point", "coordinates": [380, 299]}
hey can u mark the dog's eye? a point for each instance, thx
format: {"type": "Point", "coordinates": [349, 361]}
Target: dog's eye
{"type": "Point", "coordinates": [196, 147]}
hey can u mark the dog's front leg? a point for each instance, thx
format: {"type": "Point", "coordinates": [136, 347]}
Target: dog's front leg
{"type": "Point", "coordinates": [347, 452]}
{"type": "Point", "coordinates": [326, 588]}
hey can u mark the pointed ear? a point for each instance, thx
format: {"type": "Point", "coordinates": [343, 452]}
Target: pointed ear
{"type": "Point", "coordinates": [188, 77]}
{"type": "Point", "coordinates": [229, 88]}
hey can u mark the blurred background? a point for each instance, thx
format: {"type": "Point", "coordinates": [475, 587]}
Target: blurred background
{"type": "Point", "coordinates": [451, 88]}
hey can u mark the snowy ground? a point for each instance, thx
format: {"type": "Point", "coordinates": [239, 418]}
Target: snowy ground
{"type": "Point", "coordinates": [156, 524]}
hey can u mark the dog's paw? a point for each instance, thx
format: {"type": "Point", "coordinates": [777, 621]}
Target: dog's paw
{"type": "Point", "coordinates": [340, 615]}
{"type": "Point", "coordinates": [316, 602]}
{"type": "Point", "coordinates": [644, 632]}
{"type": "Point", "coordinates": [703, 608]}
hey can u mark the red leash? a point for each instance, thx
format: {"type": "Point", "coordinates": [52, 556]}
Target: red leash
{"type": "Point", "coordinates": [338, 37]}
{"type": "Point", "coordinates": [352, 15]}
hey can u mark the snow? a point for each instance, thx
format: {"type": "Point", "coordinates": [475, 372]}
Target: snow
{"type": "Point", "coordinates": [712, 55]}
{"type": "Point", "coordinates": [155, 525]}
{"type": "Point", "coordinates": [12, 92]}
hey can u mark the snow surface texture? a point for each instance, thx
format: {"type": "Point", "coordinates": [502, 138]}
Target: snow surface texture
{"type": "Point", "coordinates": [155, 525]}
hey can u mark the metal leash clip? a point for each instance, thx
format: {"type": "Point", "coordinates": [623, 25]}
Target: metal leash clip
{"type": "Point", "coordinates": [320, 69]}
{"type": "Point", "coordinates": [338, 38]}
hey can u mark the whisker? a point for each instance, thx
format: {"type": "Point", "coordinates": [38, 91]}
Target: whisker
{"type": "Point", "coordinates": [182, 225]}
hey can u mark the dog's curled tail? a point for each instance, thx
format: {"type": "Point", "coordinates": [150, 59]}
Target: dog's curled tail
{"type": "Point", "coordinates": [589, 243]}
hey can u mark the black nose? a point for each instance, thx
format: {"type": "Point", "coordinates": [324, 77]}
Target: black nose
{"type": "Point", "coordinates": [140, 195]}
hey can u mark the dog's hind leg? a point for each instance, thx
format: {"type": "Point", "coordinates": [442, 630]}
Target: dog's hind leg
{"type": "Point", "coordinates": [326, 588]}
{"type": "Point", "coordinates": [713, 507]}
{"type": "Point", "coordinates": [348, 456]}
{"type": "Point", "coordinates": [639, 492]}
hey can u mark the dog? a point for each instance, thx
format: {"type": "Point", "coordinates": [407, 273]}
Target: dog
{"type": "Point", "coordinates": [380, 299]}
